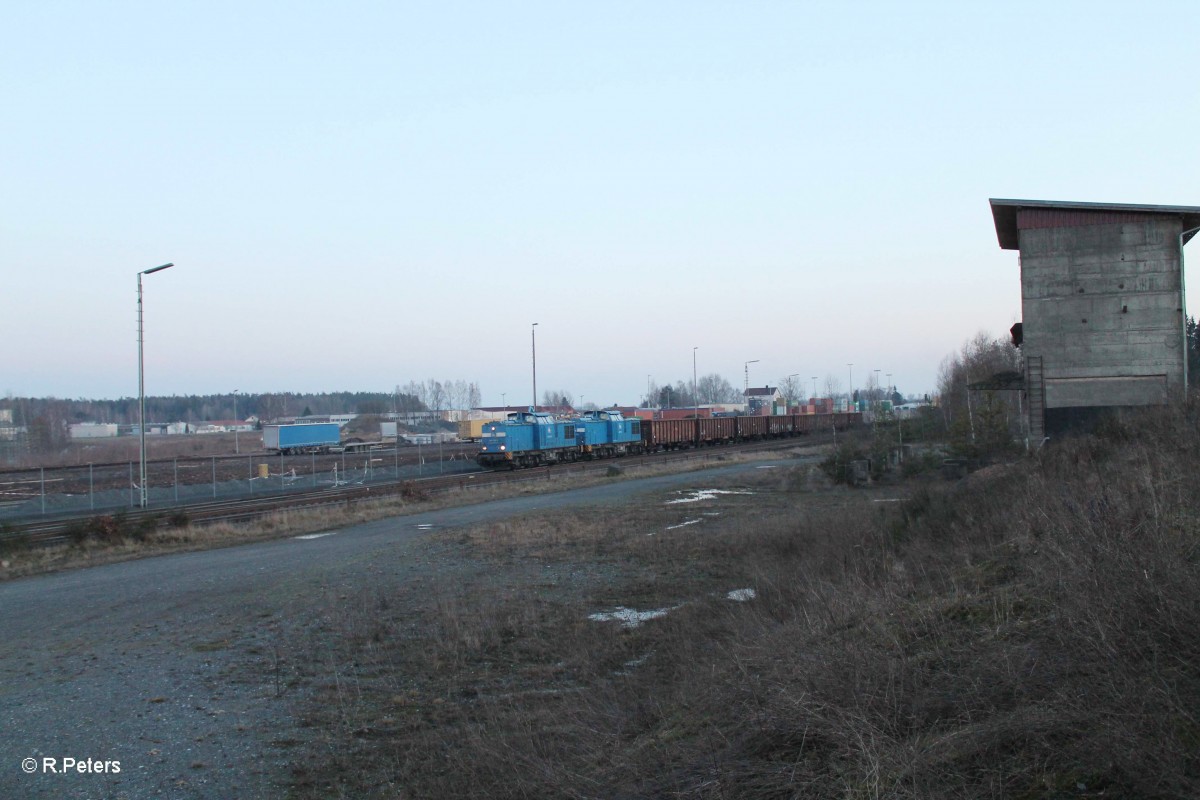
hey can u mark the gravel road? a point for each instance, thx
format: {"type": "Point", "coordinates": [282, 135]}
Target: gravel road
{"type": "Point", "coordinates": [167, 665]}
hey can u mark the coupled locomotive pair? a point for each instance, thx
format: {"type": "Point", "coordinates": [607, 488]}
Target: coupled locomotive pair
{"type": "Point", "coordinates": [529, 439]}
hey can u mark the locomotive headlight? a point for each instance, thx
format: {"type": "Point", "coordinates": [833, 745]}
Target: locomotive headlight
{"type": "Point", "coordinates": [502, 447]}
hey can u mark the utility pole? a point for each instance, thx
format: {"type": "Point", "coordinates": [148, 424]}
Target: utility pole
{"type": "Point", "coordinates": [142, 384]}
{"type": "Point", "coordinates": [746, 387]}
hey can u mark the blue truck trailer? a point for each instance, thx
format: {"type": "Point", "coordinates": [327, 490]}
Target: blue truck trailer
{"type": "Point", "coordinates": [311, 437]}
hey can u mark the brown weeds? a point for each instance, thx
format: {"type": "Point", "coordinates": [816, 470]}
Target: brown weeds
{"type": "Point", "coordinates": [1030, 632]}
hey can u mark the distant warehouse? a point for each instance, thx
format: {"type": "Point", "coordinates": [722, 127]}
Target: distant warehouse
{"type": "Point", "coordinates": [1102, 305]}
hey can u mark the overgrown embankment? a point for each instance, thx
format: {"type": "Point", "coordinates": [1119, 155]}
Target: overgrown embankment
{"type": "Point", "coordinates": [1028, 632]}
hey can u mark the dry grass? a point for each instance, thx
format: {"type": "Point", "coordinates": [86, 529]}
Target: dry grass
{"type": "Point", "coordinates": [1028, 633]}
{"type": "Point", "coordinates": [107, 539]}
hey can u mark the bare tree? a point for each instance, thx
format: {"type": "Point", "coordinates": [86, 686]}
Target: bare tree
{"type": "Point", "coordinates": [833, 386]}
{"type": "Point", "coordinates": [792, 389]}
{"type": "Point", "coordinates": [651, 398]}
{"type": "Point", "coordinates": [980, 357]}
{"type": "Point", "coordinates": [557, 397]}
{"type": "Point", "coordinates": [437, 395]}
{"type": "Point", "coordinates": [713, 388]}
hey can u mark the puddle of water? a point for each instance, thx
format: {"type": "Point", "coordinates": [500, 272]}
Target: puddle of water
{"type": "Point", "coordinates": [888, 500]}
{"type": "Point", "coordinates": [742, 595]}
{"type": "Point", "coordinates": [315, 535]}
{"type": "Point", "coordinates": [628, 617]}
{"type": "Point", "coordinates": [705, 494]}
{"type": "Point", "coordinates": [684, 524]}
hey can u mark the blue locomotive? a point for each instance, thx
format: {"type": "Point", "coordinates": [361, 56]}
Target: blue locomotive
{"type": "Point", "coordinates": [527, 439]}
{"type": "Point", "coordinates": [604, 434]}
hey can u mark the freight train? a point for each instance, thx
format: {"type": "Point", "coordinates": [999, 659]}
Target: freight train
{"type": "Point", "coordinates": [531, 439]}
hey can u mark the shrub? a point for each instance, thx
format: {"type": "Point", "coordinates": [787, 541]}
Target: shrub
{"type": "Point", "coordinates": [412, 492]}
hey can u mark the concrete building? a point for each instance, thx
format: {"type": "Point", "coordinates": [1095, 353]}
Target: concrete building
{"type": "Point", "coordinates": [1102, 305]}
{"type": "Point", "coordinates": [763, 401]}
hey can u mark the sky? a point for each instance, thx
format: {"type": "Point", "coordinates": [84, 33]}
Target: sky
{"type": "Point", "coordinates": [357, 195]}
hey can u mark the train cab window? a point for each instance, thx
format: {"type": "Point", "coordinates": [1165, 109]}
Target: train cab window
{"type": "Point", "coordinates": [568, 431]}
{"type": "Point", "coordinates": [635, 427]}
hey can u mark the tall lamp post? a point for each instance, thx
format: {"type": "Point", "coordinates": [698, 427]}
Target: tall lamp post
{"type": "Point", "coordinates": [142, 386]}
{"type": "Point", "coordinates": [877, 407]}
{"type": "Point", "coordinates": [533, 339]}
{"type": "Point", "coordinates": [814, 380]}
{"type": "Point", "coordinates": [695, 394]}
{"type": "Point", "coordinates": [850, 394]}
{"type": "Point", "coordinates": [236, 423]}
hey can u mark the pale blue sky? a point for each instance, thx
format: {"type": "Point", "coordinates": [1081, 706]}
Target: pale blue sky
{"type": "Point", "coordinates": [364, 194]}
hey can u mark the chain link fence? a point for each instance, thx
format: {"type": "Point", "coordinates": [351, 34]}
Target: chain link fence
{"type": "Point", "coordinates": [106, 488]}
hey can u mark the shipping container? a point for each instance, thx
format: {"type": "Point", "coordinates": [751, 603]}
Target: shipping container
{"type": "Point", "coordinates": [471, 430]}
{"type": "Point", "coordinates": [301, 438]}
{"type": "Point", "coordinates": [682, 413]}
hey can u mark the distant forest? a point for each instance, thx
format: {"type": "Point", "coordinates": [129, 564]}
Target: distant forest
{"type": "Point", "coordinates": [28, 411]}
{"type": "Point", "coordinates": [56, 413]}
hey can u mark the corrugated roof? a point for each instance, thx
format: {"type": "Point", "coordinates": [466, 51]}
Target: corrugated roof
{"type": "Point", "coordinates": [1010, 216]}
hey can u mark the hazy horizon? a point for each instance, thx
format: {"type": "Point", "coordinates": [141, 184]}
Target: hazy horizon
{"type": "Point", "coordinates": [360, 196]}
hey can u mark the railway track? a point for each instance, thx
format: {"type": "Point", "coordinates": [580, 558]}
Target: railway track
{"type": "Point", "coordinates": [63, 529]}
{"type": "Point", "coordinates": [19, 484]}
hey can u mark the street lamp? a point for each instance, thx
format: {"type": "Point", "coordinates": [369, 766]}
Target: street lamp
{"type": "Point", "coordinates": [142, 384]}
{"type": "Point", "coordinates": [876, 407]}
{"type": "Point", "coordinates": [533, 338]}
{"type": "Point", "coordinates": [850, 394]}
{"type": "Point", "coordinates": [504, 402]}
{"type": "Point", "coordinates": [236, 423]}
{"type": "Point", "coordinates": [814, 380]}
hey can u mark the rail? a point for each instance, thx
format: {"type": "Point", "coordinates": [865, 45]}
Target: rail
{"type": "Point", "coordinates": [64, 528]}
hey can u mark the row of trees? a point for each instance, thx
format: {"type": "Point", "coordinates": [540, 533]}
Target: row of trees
{"type": "Point", "coordinates": [715, 389]}
{"type": "Point", "coordinates": [435, 395]}
{"type": "Point", "coordinates": [711, 388]}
